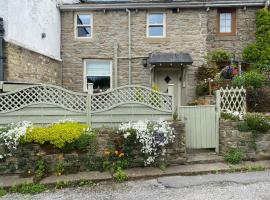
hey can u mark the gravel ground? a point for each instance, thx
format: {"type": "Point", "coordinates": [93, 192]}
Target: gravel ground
{"type": "Point", "coordinates": [255, 186]}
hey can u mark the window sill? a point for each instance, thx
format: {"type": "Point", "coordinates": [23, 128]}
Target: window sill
{"type": "Point", "coordinates": [153, 40]}
{"type": "Point", "coordinates": [226, 37]}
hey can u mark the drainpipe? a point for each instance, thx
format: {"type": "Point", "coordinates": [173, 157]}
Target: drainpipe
{"type": "Point", "coordinates": [1, 50]}
{"type": "Point", "coordinates": [129, 48]}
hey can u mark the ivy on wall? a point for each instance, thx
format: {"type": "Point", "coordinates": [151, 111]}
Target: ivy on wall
{"type": "Point", "coordinates": [258, 52]}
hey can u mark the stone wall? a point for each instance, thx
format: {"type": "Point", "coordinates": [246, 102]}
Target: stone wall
{"type": "Point", "coordinates": [23, 65]}
{"type": "Point", "coordinates": [257, 147]}
{"type": "Point", "coordinates": [26, 156]}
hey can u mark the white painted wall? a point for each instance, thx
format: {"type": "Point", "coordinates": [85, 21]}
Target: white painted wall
{"type": "Point", "coordinates": [26, 20]}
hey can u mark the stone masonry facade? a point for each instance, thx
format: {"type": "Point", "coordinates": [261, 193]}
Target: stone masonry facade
{"type": "Point", "coordinates": [23, 65]}
{"type": "Point", "coordinates": [190, 31]}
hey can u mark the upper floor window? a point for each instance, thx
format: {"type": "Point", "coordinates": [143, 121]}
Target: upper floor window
{"type": "Point", "coordinates": [226, 22]}
{"type": "Point", "coordinates": [98, 72]}
{"type": "Point", "coordinates": [156, 26]}
{"type": "Point", "coordinates": [84, 25]}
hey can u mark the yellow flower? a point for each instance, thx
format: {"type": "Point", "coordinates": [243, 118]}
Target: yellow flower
{"type": "Point", "coordinates": [121, 155]}
{"type": "Point", "coordinates": [116, 152]}
{"type": "Point", "coordinates": [106, 153]}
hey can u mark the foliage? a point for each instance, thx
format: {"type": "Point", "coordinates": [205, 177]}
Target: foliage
{"type": "Point", "coordinates": [229, 116]}
{"type": "Point", "coordinates": [228, 72]}
{"type": "Point", "coordinates": [258, 99]}
{"type": "Point", "coordinates": [258, 52]}
{"type": "Point", "coordinates": [257, 122]}
{"type": "Point", "coordinates": [93, 162]}
{"type": "Point", "coordinates": [28, 188]}
{"type": "Point", "coordinates": [250, 79]}
{"type": "Point", "coordinates": [40, 170]}
{"type": "Point", "coordinates": [59, 169]}
{"type": "Point", "coordinates": [175, 114]}
{"type": "Point", "coordinates": [153, 136]}
{"type": "Point", "coordinates": [202, 89]}
{"type": "Point", "coordinates": [58, 134]}
{"type": "Point", "coordinates": [218, 55]}
{"type": "Point", "coordinates": [114, 159]}
{"type": "Point", "coordinates": [243, 127]}
{"type": "Point", "coordinates": [3, 192]}
{"type": "Point", "coordinates": [198, 102]}
{"type": "Point", "coordinates": [85, 140]}
{"type": "Point", "coordinates": [10, 136]}
{"type": "Point", "coordinates": [234, 156]}
{"type": "Point", "coordinates": [205, 72]}
{"type": "Point", "coordinates": [120, 175]}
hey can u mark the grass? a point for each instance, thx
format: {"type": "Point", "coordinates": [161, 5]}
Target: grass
{"type": "Point", "coordinates": [3, 192]}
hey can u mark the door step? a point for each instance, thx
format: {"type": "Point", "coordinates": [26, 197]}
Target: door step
{"type": "Point", "coordinates": [203, 157]}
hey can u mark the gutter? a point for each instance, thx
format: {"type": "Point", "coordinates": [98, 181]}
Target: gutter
{"type": "Point", "coordinates": [1, 50]}
{"type": "Point", "coordinates": [129, 48]}
{"type": "Point", "coordinates": [118, 6]}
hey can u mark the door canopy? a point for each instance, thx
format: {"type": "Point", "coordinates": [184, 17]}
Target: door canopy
{"type": "Point", "coordinates": [170, 59]}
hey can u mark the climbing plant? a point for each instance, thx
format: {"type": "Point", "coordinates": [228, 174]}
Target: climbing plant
{"type": "Point", "coordinates": [258, 52]}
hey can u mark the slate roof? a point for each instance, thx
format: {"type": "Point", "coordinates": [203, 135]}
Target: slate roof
{"type": "Point", "coordinates": [170, 58]}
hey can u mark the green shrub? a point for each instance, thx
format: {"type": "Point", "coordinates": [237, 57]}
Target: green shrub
{"type": "Point", "coordinates": [258, 99]}
{"type": "Point", "coordinates": [120, 175]}
{"type": "Point", "coordinates": [257, 122]}
{"type": "Point", "coordinates": [3, 192]}
{"type": "Point", "coordinates": [93, 162]}
{"type": "Point", "coordinates": [28, 188]}
{"type": "Point", "coordinates": [218, 55]}
{"type": "Point", "coordinates": [250, 79]}
{"type": "Point", "coordinates": [234, 156]}
{"type": "Point", "coordinates": [40, 170]}
{"type": "Point", "coordinates": [57, 134]}
{"type": "Point", "coordinates": [229, 116]}
{"type": "Point", "coordinates": [258, 52]}
{"type": "Point", "coordinates": [243, 127]}
{"type": "Point", "coordinates": [59, 169]}
{"type": "Point", "coordinates": [206, 72]}
{"type": "Point", "coordinates": [84, 141]}
{"type": "Point", "coordinates": [202, 89]}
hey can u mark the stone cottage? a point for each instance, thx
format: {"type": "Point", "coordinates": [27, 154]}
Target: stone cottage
{"type": "Point", "coordinates": [112, 43]}
{"type": "Point", "coordinates": [161, 42]}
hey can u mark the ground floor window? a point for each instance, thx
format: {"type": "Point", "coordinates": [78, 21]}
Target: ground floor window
{"type": "Point", "coordinates": [98, 72]}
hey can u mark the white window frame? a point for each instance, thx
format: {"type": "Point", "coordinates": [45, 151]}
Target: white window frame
{"type": "Point", "coordinates": [76, 25]}
{"type": "Point", "coordinates": [220, 22]}
{"type": "Point", "coordinates": [163, 24]}
{"type": "Point", "coordinates": [85, 77]}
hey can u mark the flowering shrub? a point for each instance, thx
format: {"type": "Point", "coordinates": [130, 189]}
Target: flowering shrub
{"type": "Point", "coordinates": [10, 136]}
{"type": "Point", "coordinates": [232, 115]}
{"type": "Point", "coordinates": [58, 134]}
{"type": "Point", "coordinates": [257, 122]}
{"type": "Point", "coordinates": [152, 135]}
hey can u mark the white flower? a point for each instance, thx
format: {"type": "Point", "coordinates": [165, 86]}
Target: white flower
{"type": "Point", "coordinates": [152, 135]}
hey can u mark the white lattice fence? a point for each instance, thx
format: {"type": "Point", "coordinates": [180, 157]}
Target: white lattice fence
{"type": "Point", "coordinates": [131, 94]}
{"type": "Point", "coordinates": [43, 94]}
{"type": "Point", "coordinates": [232, 99]}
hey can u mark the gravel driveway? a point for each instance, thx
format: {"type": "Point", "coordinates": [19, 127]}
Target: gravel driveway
{"type": "Point", "coordinates": [246, 186]}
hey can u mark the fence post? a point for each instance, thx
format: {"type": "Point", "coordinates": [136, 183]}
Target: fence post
{"type": "Point", "coordinates": [171, 92]}
{"type": "Point", "coordinates": [218, 112]}
{"type": "Point", "coordinates": [90, 91]}
{"type": "Point", "coordinates": [1, 86]}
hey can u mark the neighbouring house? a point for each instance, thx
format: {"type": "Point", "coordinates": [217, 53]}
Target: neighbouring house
{"type": "Point", "coordinates": [116, 43]}
{"type": "Point", "coordinates": [31, 47]}
{"type": "Point", "coordinates": [119, 42]}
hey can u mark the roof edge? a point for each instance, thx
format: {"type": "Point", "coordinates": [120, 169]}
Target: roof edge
{"type": "Point", "coordinates": [150, 5]}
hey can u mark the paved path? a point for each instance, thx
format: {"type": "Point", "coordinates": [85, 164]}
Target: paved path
{"type": "Point", "coordinates": [245, 186]}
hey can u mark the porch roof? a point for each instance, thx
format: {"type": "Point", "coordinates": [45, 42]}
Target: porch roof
{"type": "Point", "coordinates": [170, 58]}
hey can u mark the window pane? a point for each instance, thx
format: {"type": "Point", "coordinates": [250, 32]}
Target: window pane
{"type": "Point", "coordinates": [156, 18]}
{"type": "Point", "coordinates": [100, 83]}
{"type": "Point", "coordinates": [84, 31]}
{"type": "Point", "coordinates": [156, 31]}
{"type": "Point", "coordinates": [98, 68]}
{"type": "Point", "coordinates": [83, 20]}
{"type": "Point", "coordinates": [226, 22]}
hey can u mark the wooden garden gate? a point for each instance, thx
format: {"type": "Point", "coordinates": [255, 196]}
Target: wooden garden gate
{"type": "Point", "coordinates": [201, 126]}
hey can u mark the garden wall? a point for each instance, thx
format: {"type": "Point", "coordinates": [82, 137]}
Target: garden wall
{"type": "Point", "coordinates": [25, 158]}
{"type": "Point", "coordinates": [254, 146]}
